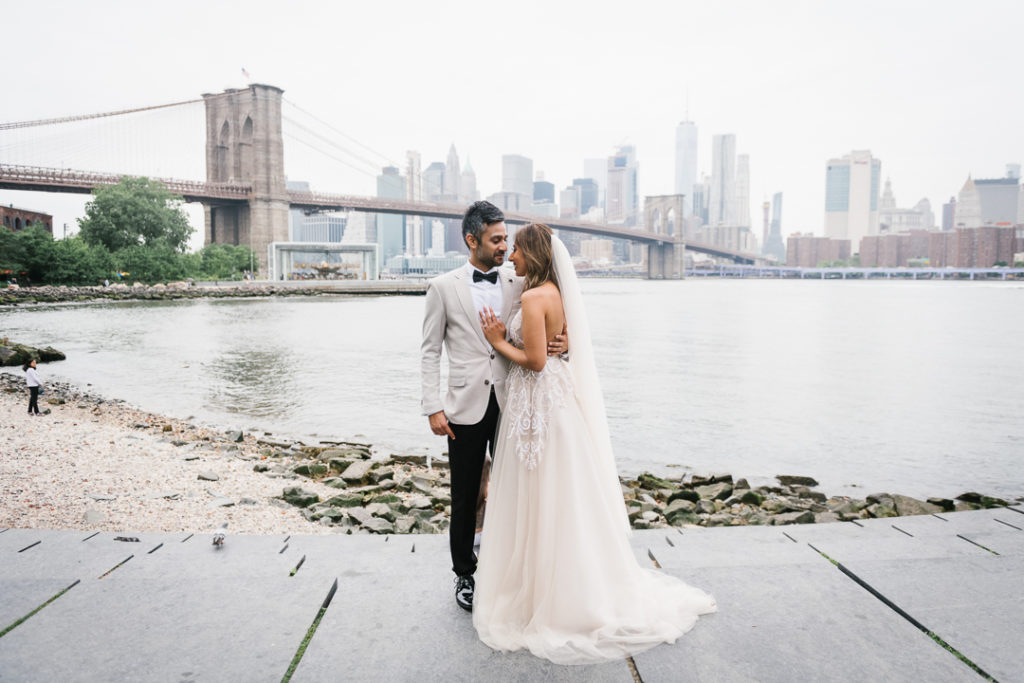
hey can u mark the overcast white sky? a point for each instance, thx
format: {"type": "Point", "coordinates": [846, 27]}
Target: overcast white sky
{"type": "Point", "coordinates": [933, 89]}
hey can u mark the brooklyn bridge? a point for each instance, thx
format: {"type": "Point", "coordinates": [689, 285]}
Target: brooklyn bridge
{"type": "Point", "coordinates": [246, 201]}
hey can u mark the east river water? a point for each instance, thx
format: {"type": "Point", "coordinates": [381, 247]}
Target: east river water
{"type": "Point", "coordinates": [908, 387]}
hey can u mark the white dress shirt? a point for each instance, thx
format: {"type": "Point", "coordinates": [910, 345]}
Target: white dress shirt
{"type": "Point", "coordinates": [484, 293]}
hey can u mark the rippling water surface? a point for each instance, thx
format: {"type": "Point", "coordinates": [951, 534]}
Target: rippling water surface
{"type": "Point", "coordinates": [911, 387]}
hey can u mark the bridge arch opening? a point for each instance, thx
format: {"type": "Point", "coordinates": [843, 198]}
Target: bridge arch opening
{"type": "Point", "coordinates": [670, 222]}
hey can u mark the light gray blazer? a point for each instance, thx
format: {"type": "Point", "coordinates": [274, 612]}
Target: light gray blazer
{"type": "Point", "coordinates": [450, 319]}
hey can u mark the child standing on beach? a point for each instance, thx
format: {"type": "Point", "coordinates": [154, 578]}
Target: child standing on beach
{"type": "Point", "coordinates": [34, 386]}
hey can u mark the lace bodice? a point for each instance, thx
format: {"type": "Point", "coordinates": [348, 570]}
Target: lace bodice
{"type": "Point", "coordinates": [532, 398]}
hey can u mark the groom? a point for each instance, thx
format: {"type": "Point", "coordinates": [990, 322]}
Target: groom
{"type": "Point", "coordinates": [468, 415]}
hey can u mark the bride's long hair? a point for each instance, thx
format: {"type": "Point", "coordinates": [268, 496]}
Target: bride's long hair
{"type": "Point", "coordinates": [533, 244]}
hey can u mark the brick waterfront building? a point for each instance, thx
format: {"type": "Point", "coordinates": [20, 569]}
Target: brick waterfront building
{"type": "Point", "coordinates": [17, 219]}
{"type": "Point", "coordinates": [981, 247]}
{"type": "Point", "coordinates": [807, 251]}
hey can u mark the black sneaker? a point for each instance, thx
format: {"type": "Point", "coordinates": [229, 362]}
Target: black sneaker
{"type": "Point", "coordinates": [464, 586]}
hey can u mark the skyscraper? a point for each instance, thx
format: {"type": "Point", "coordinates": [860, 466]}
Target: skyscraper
{"type": "Point", "coordinates": [743, 190]}
{"type": "Point", "coordinates": [598, 170]}
{"type": "Point", "coordinates": [414, 192]}
{"type": "Point", "coordinates": [390, 227]}
{"type": "Point", "coordinates": [773, 245]}
{"type": "Point", "coordinates": [722, 193]}
{"type": "Point", "coordinates": [467, 185]}
{"type": "Point", "coordinates": [621, 203]}
{"type": "Point", "coordinates": [517, 175]}
{"type": "Point", "coordinates": [588, 193]}
{"type": "Point", "coordinates": [452, 175]}
{"type": "Point", "coordinates": [686, 162]}
{"type": "Point", "coordinates": [851, 196]}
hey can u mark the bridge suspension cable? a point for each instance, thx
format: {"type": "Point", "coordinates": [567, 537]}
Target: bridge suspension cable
{"type": "Point", "coordinates": [373, 167]}
{"type": "Point", "coordinates": [85, 117]}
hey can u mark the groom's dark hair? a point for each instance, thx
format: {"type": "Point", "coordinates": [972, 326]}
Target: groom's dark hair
{"type": "Point", "coordinates": [478, 215]}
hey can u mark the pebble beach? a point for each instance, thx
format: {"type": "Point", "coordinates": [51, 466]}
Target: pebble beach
{"type": "Point", "coordinates": [102, 465]}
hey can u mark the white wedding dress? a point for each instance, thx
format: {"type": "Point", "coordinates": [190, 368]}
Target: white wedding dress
{"type": "Point", "coordinates": [556, 573]}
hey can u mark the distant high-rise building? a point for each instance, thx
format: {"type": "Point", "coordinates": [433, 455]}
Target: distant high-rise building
{"type": "Point", "coordinates": [543, 191]}
{"type": "Point", "coordinates": [452, 175]}
{"type": "Point", "coordinates": [511, 201]}
{"type": "Point", "coordinates": [722, 193]}
{"type": "Point", "coordinates": [622, 200]}
{"type": "Point", "coordinates": [743, 190]}
{"type": "Point", "coordinates": [701, 201]}
{"type": "Point", "coordinates": [686, 162]}
{"type": "Point", "coordinates": [949, 214]}
{"type": "Point", "coordinates": [598, 170]}
{"type": "Point", "coordinates": [517, 175]}
{"type": "Point", "coordinates": [894, 219]}
{"type": "Point", "coordinates": [1013, 171]}
{"type": "Point", "coordinates": [589, 193]}
{"type": "Point", "coordinates": [999, 197]}
{"type": "Point", "coordinates": [569, 201]}
{"type": "Point", "coordinates": [433, 182]}
{"type": "Point", "coordinates": [467, 186]}
{"type": "Point", "coordinates": [390, 227]}
{"type": "Point", "coordinates": [851, 196]}
{"type": "Point", "coordinates": [968, 206]}
{"type": "Point", "coordinates": [773, 245]}
{"type": "Point", "coordinates": [414, 193]}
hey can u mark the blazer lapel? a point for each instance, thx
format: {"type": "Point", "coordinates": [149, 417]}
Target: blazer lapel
{"type": "Point", "coordinates": [507, 295]}
{"type": "Point", "coordinates": [466, 299]}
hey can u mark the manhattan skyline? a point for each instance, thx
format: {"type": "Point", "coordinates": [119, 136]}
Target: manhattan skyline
{"type": "Point", "coordinates": [799, 84]}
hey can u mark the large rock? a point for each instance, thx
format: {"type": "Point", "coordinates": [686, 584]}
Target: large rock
{"type": "Point", "coordinates": [719, 491]}
{"type": "Point", "coordinates": [311, 469]}
{"type": "Point", "coordinates": [357, 472]}
{"type": "Point", "coordinates": [652, 483]}
{"type": "Point", "coordinates": [300, 497]}
{"type": "Point", "coordinates": [905, 505]}
{"type": "Point", "coordinates": [50, 354]}
{"type": "Point", "coordinates": [792, 479]}
{"type": "Point", "coordinates": [684, 494]}
{"type": "Point", "coordinates": [379, 525]}
{"type": "Point", "coordinates": [361, 515]}
{"type": "Point", "coordinates": [805, 517]}
{"type": "Point", "coordinates": [681, 512]}
{"type": "Point", "coordinates": [946, 504]}
{"type": "Point", "coordinates": [701, 480]}
{"type": "Point", "coordinates": [381, 510]}
{"type": "Point", "coordinates": [346, 500]}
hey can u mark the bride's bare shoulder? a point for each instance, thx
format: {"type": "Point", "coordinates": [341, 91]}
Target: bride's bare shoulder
{"type": "Point", "coordinates": [542, 293]}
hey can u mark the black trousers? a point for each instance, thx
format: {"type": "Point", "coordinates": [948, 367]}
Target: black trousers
{"type": "Point", "coordinates": [466, 460]}
{"type": "Point", "coordinates": [33, 400]}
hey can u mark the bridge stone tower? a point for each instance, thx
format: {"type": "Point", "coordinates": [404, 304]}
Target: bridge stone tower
{"type": "Point", "coordinates": [244, 144]}
{"type": "Point", "coordinates": [666, 215]}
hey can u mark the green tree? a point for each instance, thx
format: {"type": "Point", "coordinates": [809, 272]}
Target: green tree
{"type": "Point", "coordinates": [134, 212]}
{"type": "Point", "coordinates": [74, 262]}
{"type": "Point", "coordinates": [36, 251]}
{"type": "Point", "coordinates": [224, 261]}
{"type": "Point", "coordinates": [153, 263]}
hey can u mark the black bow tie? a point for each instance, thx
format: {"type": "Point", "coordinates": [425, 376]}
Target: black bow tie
{"type": "Point", "coordinates": [490, 277]}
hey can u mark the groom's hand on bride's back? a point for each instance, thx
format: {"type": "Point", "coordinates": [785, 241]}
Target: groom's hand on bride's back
{"type": "Point", "coordinates": [439, 424]}
{"type": "Point", "coordinates": [560, 344]}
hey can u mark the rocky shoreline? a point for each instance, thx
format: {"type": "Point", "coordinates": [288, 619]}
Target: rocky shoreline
{"type": "Point", "coordinates": [13, 296]}
{"type": "Point", "coordinates": [197, 476]}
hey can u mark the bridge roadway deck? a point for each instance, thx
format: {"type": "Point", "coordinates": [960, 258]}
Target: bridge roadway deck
{"type": "Point", "coordinates": [172, 607]}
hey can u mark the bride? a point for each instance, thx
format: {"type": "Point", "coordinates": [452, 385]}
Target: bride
{"type": "Point", "coordinates": [556, 572]}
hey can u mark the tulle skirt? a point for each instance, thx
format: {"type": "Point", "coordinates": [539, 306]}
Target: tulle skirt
{"type": "Point", "coordinates": [556, 573]}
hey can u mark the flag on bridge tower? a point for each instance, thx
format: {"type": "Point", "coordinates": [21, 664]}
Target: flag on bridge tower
{"type": "Point", "coordinates": [246, 74]}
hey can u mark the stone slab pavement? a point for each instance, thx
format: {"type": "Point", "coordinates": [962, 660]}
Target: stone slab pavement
{"type": "Point", "coordinates": [838, 601]}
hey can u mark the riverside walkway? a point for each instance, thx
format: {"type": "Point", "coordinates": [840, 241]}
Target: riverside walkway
{"type": "Point", "coordinates": [934, 598]}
